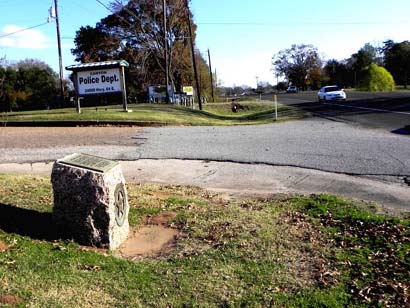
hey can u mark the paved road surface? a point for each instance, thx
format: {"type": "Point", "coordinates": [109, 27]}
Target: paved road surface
{"type": "Point", "coordinates": [389, 111]}
{"type": "Point", "coordinates": [314, 143]}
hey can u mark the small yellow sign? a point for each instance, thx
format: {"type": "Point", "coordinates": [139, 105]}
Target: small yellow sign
{"type": "Point", "coordinates": [189, 90]}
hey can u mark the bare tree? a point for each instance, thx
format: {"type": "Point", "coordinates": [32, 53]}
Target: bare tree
{"type": "Point", "coordinates": [300, 64]}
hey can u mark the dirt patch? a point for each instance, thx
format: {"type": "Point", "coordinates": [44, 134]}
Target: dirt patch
{"type": "Point", "coordinates": [10, 300]}
{"type": "Point", "coordinates": [3, 246]}
{"type": "Point", "coordinates": [162, 219]}
{"type": "Point", "coordinates": [151, 240]}
{"type": "Point", "coordinates": [44, 137]}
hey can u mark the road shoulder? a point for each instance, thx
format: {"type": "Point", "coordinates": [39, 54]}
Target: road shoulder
{"type": "Point", "coordinates": [250, 180]}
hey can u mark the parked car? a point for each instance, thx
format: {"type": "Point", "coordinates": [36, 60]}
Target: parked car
{"type": "Point", "coordinates": [292, 89]}
{"type": "Point", "coordinates": [331, 93]}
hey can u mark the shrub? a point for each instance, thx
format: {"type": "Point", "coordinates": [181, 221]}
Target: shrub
{"type": "Point", "coordinates": [376, 78]}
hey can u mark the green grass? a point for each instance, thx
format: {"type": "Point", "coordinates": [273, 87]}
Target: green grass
{"type": "Point", "coordinates": [314, 251]}
{"type": "Point", "coordinates": [160, 114]}
{"type": "Point", "coordinates": [402, 88]}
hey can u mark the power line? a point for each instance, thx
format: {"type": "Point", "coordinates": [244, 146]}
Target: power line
{"type": "Point", "coordinates": [342, 23]}
{"type": "Point", "coordinates": [104, 5]}
{"type": "Point", "coordinates": [111, 11]}
{"type": "Point", "coordinates": [86, 10]}
{"type": "Point", "coordinates": [21, 30]}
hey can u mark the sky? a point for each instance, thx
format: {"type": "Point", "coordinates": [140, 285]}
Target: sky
{"type": "Point", "coordinates": [242, 35]}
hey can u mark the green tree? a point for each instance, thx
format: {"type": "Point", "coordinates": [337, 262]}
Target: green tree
{"type": "Point", "coordinates": [29, 84]}
{"type": "Point", "coordinates": [376, 78]}
{"type": "Point", "coordinates": [39, 81]}
{"type": "Point", "coordinates": [397, 60]}
{"type": "Point", "coordinates": [361, 60]}
{"type": "Point", "coordinates": [8, 92]}
{"type": "Point", "coordinates": [338, 73]}
{"type": "Point", "coordinates": [300, 64]}
{"type": "Point", "coordinates": [94, 45]}
{"type": "Point", "coordinates": [365, 56]}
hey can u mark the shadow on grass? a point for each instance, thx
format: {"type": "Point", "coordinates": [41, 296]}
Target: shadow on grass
{"type": "Point", "coordinates": [25, 222]}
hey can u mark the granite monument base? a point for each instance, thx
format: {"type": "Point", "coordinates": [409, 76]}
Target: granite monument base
{"type": "Point", "coordinates": [90, 200]}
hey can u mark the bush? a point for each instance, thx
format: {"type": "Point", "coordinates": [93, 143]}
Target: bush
{"type": "Point", "coordinates": [376, 78]}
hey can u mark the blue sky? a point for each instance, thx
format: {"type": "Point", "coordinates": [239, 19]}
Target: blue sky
{"type": "Point", "coordinates": [242, 35]}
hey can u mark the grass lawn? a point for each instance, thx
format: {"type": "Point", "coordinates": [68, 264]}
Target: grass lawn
{"type": "Point", "coordinates": [161, 114]}
{"type": "Point", "coordinates": [287, 251]}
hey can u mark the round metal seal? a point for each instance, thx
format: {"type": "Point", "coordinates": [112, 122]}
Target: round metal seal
{"type": "Point", "coordinates": [120, 204]}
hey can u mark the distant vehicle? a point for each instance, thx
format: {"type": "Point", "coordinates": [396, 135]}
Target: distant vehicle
{"type": "Point", "coordinates": [292, 89]}
{"type": "Point", "coordinates": [331, 93]}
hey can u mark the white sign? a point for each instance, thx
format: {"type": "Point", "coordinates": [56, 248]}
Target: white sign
{"type": "Point", "coordinates": [99, 81]}
{"type": "Point", "coordinates": [189, 90]}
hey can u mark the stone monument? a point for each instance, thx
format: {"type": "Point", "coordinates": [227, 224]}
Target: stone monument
{"type": "Point", "coordinates": [90, 200]}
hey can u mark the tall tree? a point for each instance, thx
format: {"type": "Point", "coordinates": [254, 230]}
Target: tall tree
{"type": "Point", "coordinates": [135, 32]}
{"type": "Point", "coordinates": [300, 64]}
{"type": "Point", "coordinates": [338, 73]}
{"type": "Point", "coordinates": [361, 60]}
{"type": "Point", "coordinates": [397, 60]}
{"type": "Point", "coordinates": [94, 45]}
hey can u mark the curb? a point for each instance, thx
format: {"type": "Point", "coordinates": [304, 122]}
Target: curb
{"type": "Point", "coordinates": [82, 123]}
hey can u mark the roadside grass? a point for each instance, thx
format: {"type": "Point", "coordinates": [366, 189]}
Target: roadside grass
{"type": "Point", "coordinates": [286, 251]}
{"type": "Point", "coordinates": [158, 114]}
{"type": "Point", "coordinates": [402, 88]}
{"type": "Point", "coordinates": [251, 106]}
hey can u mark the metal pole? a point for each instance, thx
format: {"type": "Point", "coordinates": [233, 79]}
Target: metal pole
{"type": "Point", "coordinates": [164, 8]}
{"type": "Point", "coordinates": [60, 58]}
{"type": "Point", "coordinates": [78, 104]}
{"type": "Point", "coordinates": [198, 90]}
{"type": "Point", "coordinates": [275, 98]}
{"type": "Point", "coordinates": [212, 79]}
{"type": "Point", "coordinates": [123, 90]}
{"type": "Point", "coordinates": [77, 95]}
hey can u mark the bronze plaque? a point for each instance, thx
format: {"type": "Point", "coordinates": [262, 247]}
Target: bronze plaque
{"type": "Point", "coordinates": [90, 162]}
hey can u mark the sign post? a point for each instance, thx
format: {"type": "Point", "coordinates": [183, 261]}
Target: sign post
{"type": "Point", "coordinates": [123, 90]}
{"type": "Point", "coordinates": [189, 92]}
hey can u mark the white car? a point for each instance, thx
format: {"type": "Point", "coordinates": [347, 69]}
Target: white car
{"type": "Point", "coordinates": [331, 93]}
{"type": "Point", "coordinates": [292, 89]}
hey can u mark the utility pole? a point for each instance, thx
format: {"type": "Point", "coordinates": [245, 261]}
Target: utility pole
{"type": "Point", "coordinates": [164, 8]}
{"type": "Point", "coordinates": [257, 88]}
{"type": "Point", "coordinates": [210, 73]}
{"type": "Point", "coordinates": [60, 58]}
{"type": "Point", "coordinates": [198, 90]}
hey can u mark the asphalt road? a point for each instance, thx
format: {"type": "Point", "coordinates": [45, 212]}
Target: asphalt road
{"type": "Point", "coordinates": [389, 111]}
{"type": "Point", "coordinates": [315, 143]}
